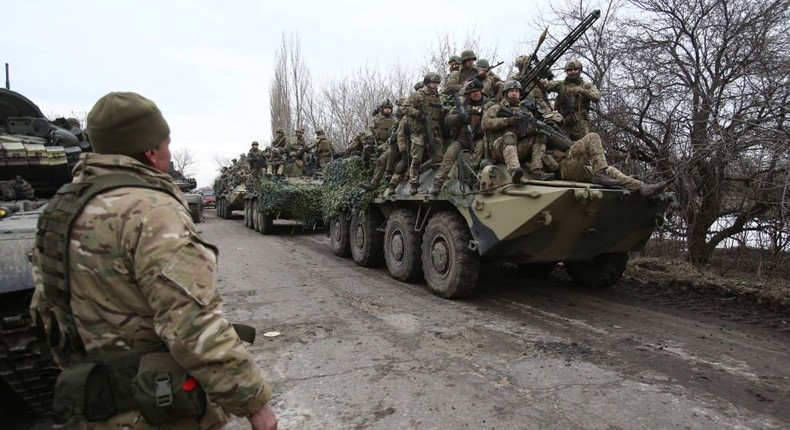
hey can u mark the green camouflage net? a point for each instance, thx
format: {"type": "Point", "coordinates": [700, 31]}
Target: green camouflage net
{"type": "Point", "coordinates": [341, 188]}
{"type": "Point", "coordinates": [294, 199]}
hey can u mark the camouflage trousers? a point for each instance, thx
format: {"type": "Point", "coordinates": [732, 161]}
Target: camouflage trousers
{"type": "Point", "coordinates": [578, 130]}
{"type": "Point", "coordinates": [274, 169]}
{"type": "Point", "coordinates": [418, 146]}
{"type": "Point", "coordinates": [451, 154]}
{"type": "Point", "coordinates": [511, 151]}
{"type": "Point", "coordinates": [585, 157]}
{"type": "Point", "coordinates": [324, 158]}
{"type": "Point", "coordinates": [385, 163]}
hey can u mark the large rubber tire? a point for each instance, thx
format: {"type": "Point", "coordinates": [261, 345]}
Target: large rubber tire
{"type": "Point", "coordinates": [402, 251]}
{"type": "Point", "coordinates": [266, 223]}
{"type": "Point", "coordinates": [338, 235]}
{"type": "Point", "coordinates": [196, 212]}
{"type": "Point", "coordinates": [367, 243]}
{"type": "Point", "coordinates": [256, 216]}
{"type": "Point", "coordinates": [223, 211]}
{"type": "Point", "coordinates": [218, 207]}
{"type": "Point", "coordinates": [603, 271]}
{"type": "Point", "coordinates": [535, 269]}
{"type": "Point", "coordinates": [451, 268]}
{"type": "Point", "coordinates": [248, 214]}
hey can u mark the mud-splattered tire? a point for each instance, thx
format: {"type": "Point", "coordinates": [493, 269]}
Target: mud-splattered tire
{"type": "Point", "coordinates": [450, 267]}
{"type": "Point", "coordinates": [196, 212]}
{"type": "Point", "coordinates": [367, 243]}
{"type": "Point", "coordinates": [603, 271]}
{"type": "Point", "coordinates": [402, 251]}
{"type": "Point", "coordinates": [338, 235]}
{"type": "Point", "coordinates": [248, 222]}
{"type": "Point", "coordinates": [535, 269]}
{"type": "Point", "coordinates": [266, 223]}
{"type": "Point", "coordinates": [256, 216]}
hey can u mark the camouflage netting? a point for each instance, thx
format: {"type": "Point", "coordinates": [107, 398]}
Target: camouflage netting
{"type": "Point", "coordinates": [341, 189]}
{"type": "Point", "coordinates": [300, 201]}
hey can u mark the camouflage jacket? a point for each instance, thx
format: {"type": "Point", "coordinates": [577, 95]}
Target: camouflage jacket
{"type": "Point", "coordinates": [456, 80]}
{"type": "Point", "coordinates": [423, 103]}
{"type": "Point", "coordinates": [573, 97]}
{"type": "Point", "coordinates": [380, 127]}
{"type": "Point", "coordinates": [474, 111]}
{"type": "Point", "coordinates": [323, 144]}
{"type": "Point", "coordinates": [141, 274]}
{"type": "Point", "coordinates": [496, 121]}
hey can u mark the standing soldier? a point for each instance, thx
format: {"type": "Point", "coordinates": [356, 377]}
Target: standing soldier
{"type": "Point", "coordinates": [425, 114]}
{"type": "Point", "coordinates": [324, 147]}
{"type": "Point", "coordinates": [279, 140]}
{"type": "Point", "coordinates": [257, 162]}
{"type": "Point", "coordinates": [468, 132]}
{"type": "Point", "coordinates": [381, 128]}
{"type": "Point", "coordinates": [295, 143]}
{"type": "Point", "coordinates": [138, 327]}
{"type": "Point", "coordinates": [456, 80]}
{"type": "Point", "coordinates": [573, 99]}
{"type": "Point", "coordinates": [492, 84]}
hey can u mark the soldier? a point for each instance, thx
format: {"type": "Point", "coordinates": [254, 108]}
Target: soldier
{"type": "Point", "coordinates": [325, 149]}
{"type": "Point", "coordinates": [468, 132]}
{"type": "Point", "coordinates": [425, 113]}
{"type": "Point", "coordinates": [279, 140]}
{"type": "Point", "coordinates": [399, 144]}
{"type": "Point", "coordinates": [507, 141]}
{"type": "Point", "coordinates": [256, 161]}
{"type": "Point", "coordinates": [274, 166]}
{"type": "Point", "coordinates": [492, 84]}
{"type": "Point", "coordinates": [573, 99]}
{"type": "Point", "coordinates": [295, 143]}
{"type": "Point", "coordinates": [454, 63]}
{"type": "Point", "coordinates": [381, 128]}
{"type": "Point", "coordinates": [456, 80]}
{"type": "Point", "coordinates": [141, 320]}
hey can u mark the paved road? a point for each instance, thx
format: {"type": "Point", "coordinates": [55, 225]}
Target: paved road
{"type": "Point", "coordinates": [359, 350]}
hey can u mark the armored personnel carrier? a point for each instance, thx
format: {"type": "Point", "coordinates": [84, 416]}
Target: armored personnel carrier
{"type": "Point", "coordinates": [36, 158]}
{"type": "Point", "coordinates": [187, 185]}
{"type": "Point", "coordinates": [296, 198]}
{"type": "Point", "coordinates": [483, 217]}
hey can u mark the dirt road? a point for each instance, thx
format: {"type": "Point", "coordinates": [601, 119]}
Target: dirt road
{"type": "Point", "coordinates": [359, 350]}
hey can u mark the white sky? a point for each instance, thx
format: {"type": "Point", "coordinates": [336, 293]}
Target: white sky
{"type": "Point", "coordinates": [208, 64]}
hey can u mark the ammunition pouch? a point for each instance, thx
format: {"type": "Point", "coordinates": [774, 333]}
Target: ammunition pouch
{"type": "Point", "coordinates": [164, 392]}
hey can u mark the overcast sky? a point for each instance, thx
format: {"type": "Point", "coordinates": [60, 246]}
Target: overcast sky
{"type": "Point", "coordinates": [208, 64]}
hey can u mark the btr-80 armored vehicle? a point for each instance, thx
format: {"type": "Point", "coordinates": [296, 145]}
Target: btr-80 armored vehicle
{"type": "Point", "coordinates": [483, 217]}
{"type": "Point", "coordinates": [36, 158]}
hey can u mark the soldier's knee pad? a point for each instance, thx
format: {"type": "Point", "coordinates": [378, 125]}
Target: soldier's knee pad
{"type": "Point", "coordinates": [509, 139]}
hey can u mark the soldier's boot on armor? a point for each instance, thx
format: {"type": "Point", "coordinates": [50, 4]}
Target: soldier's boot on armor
{"type": "Point", "coordinates": [390, 190]}
{"type": "Point", "coordinates": [414, 188]}
{"type": "Point", "coordinates": [510, 154]}
{"type": "Point", "coordinates": [601, 178]}
{"type": "Point", "coordinates": [650, 190]}
{"type": "Point", "coordinates": [374, 183]}
{"type": "Point", "coordinates": [436, 188]}
{"type": "Point", "coordinates": [542, 175]}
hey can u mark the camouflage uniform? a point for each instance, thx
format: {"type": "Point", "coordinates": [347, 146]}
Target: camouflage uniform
{"type": "Point", "coordinates": [492, 84]}
{"type": "Point", "coordinates": [458, 79]}
{"type": "Point", "coordinates": [279, 140]}
{"type": "Point", "coordinates": [256, 161]}
{"type": "Point", "coordinates": [324, 147]}
{"type": "Point", "coordinates": [573, 100]}
{"type": "Point", "coordinates": [585, 162]}
{"type": "Point", "coordinates": [381, 127]}
{"type": "Point", "coordinates": [507, 142]}
{"type": "Point", "coordinates": [162, 275]}
{"type": "Point", "coordinates": [464, 139]}
{"type": "Point", "coordinates": [423, 106]}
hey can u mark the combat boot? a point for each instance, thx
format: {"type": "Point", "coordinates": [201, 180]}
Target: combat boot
{"type": "Point", "coordinates": [390, 190]}
{"type": "Point", "coordinates": [415, 188]}
{"type": "Point", "coordinates": [541, 175]}
{"type": "Point", "coordinates": [436, 188]}
{"type": "Point", "coordinates": [517, 174]}
{"type": "Point", "coordinates": [368, 186]}
{"type": "Point", "coordinates": [650, 190]}
{"type": "Point", "coordinates": [601, 178]}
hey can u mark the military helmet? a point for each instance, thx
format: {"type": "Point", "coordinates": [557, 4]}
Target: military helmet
{"type": "Point", "coordinates": [320, 131]}
{"type": "Point", "coordinates": [473, 85]}
{"type": "Point", "coordinates": [432, 77]}
{"type": "Point", "coordinates": [254, 143]}
{"type": "Point", "coordinates": [482, 64]}
{"type": "Point", "coordinates": [280, 131]}
{"type": "Point", "coordinates": [468, 54]}
{"type": "Point", "coordinates": [418, 85]}
{"type": "Point", "coordinates": [299, 131]}
{"type": "Point", "coordinates": [522, 60]}
{"type": "Point", "coordinates": [386, 103]}
{"type": "Point", "coordinates": [574, 64]}
{"type": "Point", "coordinates": [511, 85]}
{"type": "Point", "coordinates": [454, 58]}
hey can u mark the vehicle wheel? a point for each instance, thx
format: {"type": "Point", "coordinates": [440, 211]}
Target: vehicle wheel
{"type": "Point", "coordinates": [535, 269]}
{"type": "Point", "coordinates": [367, 243]}
{"type": "Point", "coordinates": [338, 235]}
{"type": "Point", "coordinates": [248, 214]}
{"type": "Point", "coordinates": [217, 206]}
{"type": "Point", "coordinates": [402, 251]}
{"type": "Point", "coordinates": [603, 271]}
{"type": "Point", "coordinates": [256, 216]}
{"type": "Point", "coordinates": [221, 208]}
{"type": "Point", "coordinates": [451, 268]}
{"type": "Point", "coordinates": [266, 223]}
{"type": "Point", "coordinates": [196, 212]}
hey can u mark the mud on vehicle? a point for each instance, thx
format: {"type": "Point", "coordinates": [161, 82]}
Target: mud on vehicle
{"type": "Point", "coordinates": [484, 217]}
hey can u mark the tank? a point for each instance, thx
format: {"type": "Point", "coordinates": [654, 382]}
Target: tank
{"type": "Point", "coordinates": [187, 185]}
{"type": "Point", "coordinates": [482, 217]}
{"type": "Point", "coordinates": [36, 158]}
{"type": "Point", "coordinates": [230, 188]}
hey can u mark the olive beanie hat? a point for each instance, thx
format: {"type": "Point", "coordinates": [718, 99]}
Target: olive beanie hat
{"type": "Point", "coordinates": [126, 123]}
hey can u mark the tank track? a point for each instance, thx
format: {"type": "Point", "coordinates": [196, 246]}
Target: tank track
{"type": "Point", "coordinates": [26, 366]}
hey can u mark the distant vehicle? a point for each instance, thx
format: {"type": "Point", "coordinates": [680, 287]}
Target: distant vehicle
{"type": "Point", "coordinates": [209, 199]}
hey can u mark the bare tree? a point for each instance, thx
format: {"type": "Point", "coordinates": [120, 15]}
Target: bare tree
{"type": "Point", "coordinates": [184, 161]}
{"type": "Point", "coordinates": [697, 92]}
{"type": "Point", "coordinates": [291, 86]}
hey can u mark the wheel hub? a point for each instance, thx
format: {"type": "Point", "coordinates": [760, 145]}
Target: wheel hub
{"type": "Point", "coordinates": [440, 256]}
{"type": "Point", "coordinates": [396, 247]}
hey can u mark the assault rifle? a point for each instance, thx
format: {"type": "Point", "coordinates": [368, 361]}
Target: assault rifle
{"type": "Point", "coordinates": [545, 64]}
{"type": "Point", "coordinates": [555, 138]}
{"type": "Point", "coordinates": [496, 65]}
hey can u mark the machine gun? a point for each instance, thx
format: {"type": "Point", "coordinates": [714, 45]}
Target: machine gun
{"type": "Point", "coordinates": [464, 116]}
{"type": "Point", "coordinates": [545, 64]}
{"type": "Point", "coordinates": [555, 138]}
